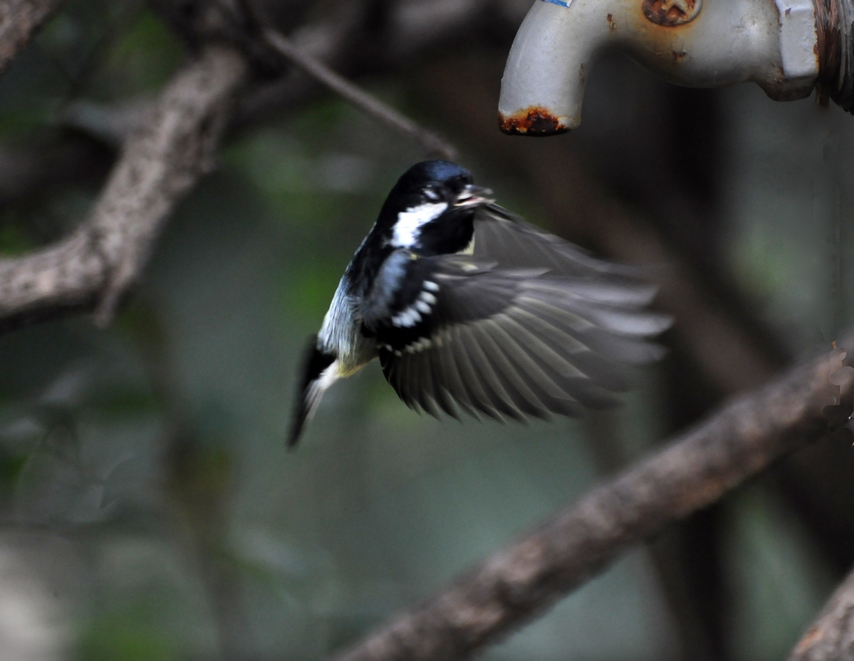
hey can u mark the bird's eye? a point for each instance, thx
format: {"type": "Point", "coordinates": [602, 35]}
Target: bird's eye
{"type": "Point", "coordinates": [431, 195]}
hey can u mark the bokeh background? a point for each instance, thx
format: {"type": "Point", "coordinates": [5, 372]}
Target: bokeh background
{"type": "Point", "coordinates": [148, 508]}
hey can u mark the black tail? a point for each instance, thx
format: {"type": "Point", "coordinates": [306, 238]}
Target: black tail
{"type": "Point", "coordinates": [314, 363]}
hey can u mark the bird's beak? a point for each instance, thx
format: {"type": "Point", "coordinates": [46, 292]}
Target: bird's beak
{"type": "Point", "coordinates": [473, 196]}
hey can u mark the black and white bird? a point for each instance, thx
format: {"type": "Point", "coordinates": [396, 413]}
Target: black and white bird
{"type": "Point", "coordinates": [471, 309]}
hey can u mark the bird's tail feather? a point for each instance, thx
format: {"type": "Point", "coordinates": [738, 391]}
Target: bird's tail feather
{"type": "Point", "coordinates": [319, 371]}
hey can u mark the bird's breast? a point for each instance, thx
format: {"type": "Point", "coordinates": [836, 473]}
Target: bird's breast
{"type": "Point", "coordinates": [341, 332]}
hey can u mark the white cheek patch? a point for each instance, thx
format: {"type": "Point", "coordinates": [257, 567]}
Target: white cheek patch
{"type": "Point", "coordinates": [409, 222]}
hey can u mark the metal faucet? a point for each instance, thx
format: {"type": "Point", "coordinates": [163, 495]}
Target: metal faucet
{"type": "Point", "coordinates": [787, 47]}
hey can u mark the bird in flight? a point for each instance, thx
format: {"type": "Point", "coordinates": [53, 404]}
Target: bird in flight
{"type": "Point", "coordinates": [471, 309]}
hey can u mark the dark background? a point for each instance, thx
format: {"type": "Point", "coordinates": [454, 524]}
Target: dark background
{"type": "Point", "coordinates": [148, 509]}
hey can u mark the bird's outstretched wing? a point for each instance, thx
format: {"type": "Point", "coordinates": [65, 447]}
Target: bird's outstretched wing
{"type": "Point", "coordinates": [502, 236]}
{"type": "Point", "coordinates": [544, 335]}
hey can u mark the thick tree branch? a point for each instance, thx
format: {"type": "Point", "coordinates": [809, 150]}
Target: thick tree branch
{"type": "Point", "coordinates": [698, 468]}
{"type": "Point", "coordinates": [831, 637]}
{"type": "Point", "coordinates": [159, 163]}
{"type": "Point", "coordinates": [19, 21]}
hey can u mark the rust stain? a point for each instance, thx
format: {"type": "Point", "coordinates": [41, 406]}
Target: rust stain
{"type": "Point", "coordinates": [533, 121]}
{"type": "Point", "coordinates": [612, 24]}
{"type": "Point", "coordinates": [678, 56]}
{"type": "Point", "coordinates": [829, 45]}
{"type": "Point", "coordinates": [670, 13]}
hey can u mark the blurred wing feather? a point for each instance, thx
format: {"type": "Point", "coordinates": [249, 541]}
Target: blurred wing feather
{"type": "Point", "coordinates": [517, 342]}
{"type": "Point", "coordinates": [512, 242]}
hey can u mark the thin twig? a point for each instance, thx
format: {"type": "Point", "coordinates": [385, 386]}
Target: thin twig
{"type": "Point", "coordinates": [358, 97]}
{"type": "Point", "coordinates": [698, 468]}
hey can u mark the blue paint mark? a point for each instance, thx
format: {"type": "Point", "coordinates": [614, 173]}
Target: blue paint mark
{"type": "Point", "coordinates": [560, 3]}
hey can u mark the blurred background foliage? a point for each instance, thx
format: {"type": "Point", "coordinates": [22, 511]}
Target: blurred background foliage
{"type": "Point", "coordinates": [148, 509]}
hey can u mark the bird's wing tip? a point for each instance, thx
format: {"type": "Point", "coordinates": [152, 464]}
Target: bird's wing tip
{"type": "Point", "coordinates": [293, 439]}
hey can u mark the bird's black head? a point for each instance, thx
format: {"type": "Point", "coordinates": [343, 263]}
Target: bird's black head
{"type": "Point", "coordinates": [430, 210]}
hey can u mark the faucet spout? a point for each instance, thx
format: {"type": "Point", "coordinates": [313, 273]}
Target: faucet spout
{"type": "Point", "coordinates": [695, 43]}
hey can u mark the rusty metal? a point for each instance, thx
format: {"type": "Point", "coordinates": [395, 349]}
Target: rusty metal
{"type": "Point", "coordinates": [670, 13]}
{"type": "Point", "coordinates": [688, 42]}
{"type": "Point", "coordinates": [835, 26]}
{"type": "Point", "coordinates": [829, 46]}
{"type": "Point", "coordinates": [532, 122]}
{"type": "Point", "coordinates": [798, 38]}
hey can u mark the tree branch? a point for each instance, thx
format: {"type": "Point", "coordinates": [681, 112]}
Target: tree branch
{"type": "Point", "coordinates": [367, 103]}
{"type": "Point", "coordinates": [831, 637]}
{"type": "Point", "coordinates": [19, 21]}
{"type": "Point", "coordinates": [159, 163]}
{"type": "Point", "coordinates": [409, 32]}
{"type": "Point", "coordinates": [698, 468]}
